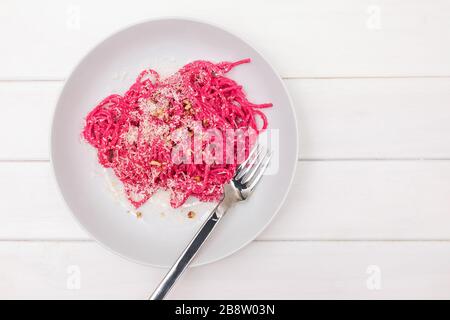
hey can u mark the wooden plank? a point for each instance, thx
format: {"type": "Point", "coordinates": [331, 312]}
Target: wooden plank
{"type": "Point", "coordinates": [344, 118]}
{"type": "Point", "coordinates": [366, 200]}
{"type": "Point", "coordinates": [263, 270]}
{"type": "Point", "coordinates": [340, 200]}
{"type": "Point", "coordinates": [27, 109]}
{"type": "Point", "coordinates": [307, 38]}
{"type": "Point", "coordinates": [32, 207]}
{"type": "Point", "coordinates": [372, 118]}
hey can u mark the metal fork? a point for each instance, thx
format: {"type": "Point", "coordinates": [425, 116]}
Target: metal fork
{"type": "Point", "coordinates": [247, 176]}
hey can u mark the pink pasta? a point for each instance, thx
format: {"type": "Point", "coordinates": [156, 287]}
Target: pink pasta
{"type": "Point", "coordinates": [136, 134]}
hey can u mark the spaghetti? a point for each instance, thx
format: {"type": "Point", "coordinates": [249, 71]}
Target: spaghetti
{"type": "Point", "coordinates": [137, 134]}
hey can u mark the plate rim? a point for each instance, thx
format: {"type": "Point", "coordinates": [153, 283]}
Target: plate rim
{"type": "Point", "coordinates": [63, 88]}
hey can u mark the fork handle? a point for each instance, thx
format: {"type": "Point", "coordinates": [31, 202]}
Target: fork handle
{"type": "Point", "coordinates": [189, 253]}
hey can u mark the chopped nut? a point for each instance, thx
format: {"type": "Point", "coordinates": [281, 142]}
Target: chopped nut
{"type": "Point", "coordinates": [110, 155]}
{"type": "Point", "coordinates": [187, 105]}
{"type": "Point", "coordinates": [191, 214]}
{"type": "Point", "coordinates": [138, 214]}
{"type": "Point", "coordinates": [197, 178]}
{"type": "Point", "coordinates": [155, 163]}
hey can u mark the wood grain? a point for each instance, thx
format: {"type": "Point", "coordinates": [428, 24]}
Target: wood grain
{"type": "Point", "coordinates": [369, 80]}
{"type": "Point", "coordinates": [329, 200]}
{"type": "Point", "coordinates": [263, 270]}
{"type": "Point", "coordinates": [307, 38]}
{"type": "Point", "coordinates": [338, 118]}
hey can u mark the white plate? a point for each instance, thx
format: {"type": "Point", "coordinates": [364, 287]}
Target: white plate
{"type": "Point", "coordinates": [111, 67]}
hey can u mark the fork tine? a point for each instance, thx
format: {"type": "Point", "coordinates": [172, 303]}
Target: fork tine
{"type": "Point", "coordinates": [252, 152]}
{"type": "Point", "coordinates": [243, 168]}
{"type": "Point", "coordinates": [260, 172]}
{"type": "Point", "coordinates": [254, 167]}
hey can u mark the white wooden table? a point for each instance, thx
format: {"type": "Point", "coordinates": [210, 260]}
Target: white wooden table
{"type": "Point", "coordinates": [369, 213]}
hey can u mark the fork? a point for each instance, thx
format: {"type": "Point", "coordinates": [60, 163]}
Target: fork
{"type": "Point", "coordinates": [247, 176]}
